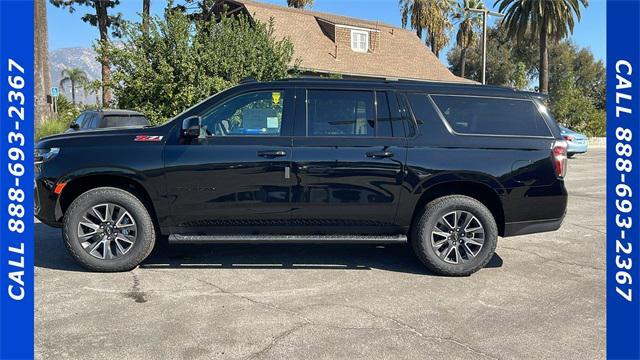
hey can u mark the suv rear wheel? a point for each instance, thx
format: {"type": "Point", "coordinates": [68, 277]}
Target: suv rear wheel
{"type": "Point", "coordinates": [455, 235]}
{"type": "Point", "coordinates": [108, 229]}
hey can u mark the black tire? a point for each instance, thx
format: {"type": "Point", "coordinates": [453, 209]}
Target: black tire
{"type": "Point", "coordinates": [426, 220]}
{"type": "Point", "coordinates": [145, 231]}
{"type": "Point", "coordinates": [571, 155]}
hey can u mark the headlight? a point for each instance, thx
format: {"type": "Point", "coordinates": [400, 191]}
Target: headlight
{"type": "Point", "coordinates": [42, 155]}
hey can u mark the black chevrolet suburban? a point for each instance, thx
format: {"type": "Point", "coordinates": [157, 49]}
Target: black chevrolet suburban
{"type": "Point", "coordinates": [445, 167]}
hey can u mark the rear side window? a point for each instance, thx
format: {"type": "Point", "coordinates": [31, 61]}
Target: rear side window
{"type": "Point", "coordinates": [491, 116]}
{"type": "Point", "coordinates": [340, 113]}
{"type": "Point", "coordinates": [89, 121]}
{"type": "Point", "coordinates": [124, 120]}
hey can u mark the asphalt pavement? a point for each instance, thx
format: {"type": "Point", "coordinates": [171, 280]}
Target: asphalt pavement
{"type": "Point", "coordinates": [542, 297]}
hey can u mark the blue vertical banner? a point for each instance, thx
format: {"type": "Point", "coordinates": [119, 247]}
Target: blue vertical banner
{"type": "Point", "coordinates": [623, 180]}
{"type": "Point", "coordinates": [16, 179]}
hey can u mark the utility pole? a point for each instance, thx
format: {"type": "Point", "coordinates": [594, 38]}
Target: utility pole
{"type": "Point", "coordinates": [485, 13]}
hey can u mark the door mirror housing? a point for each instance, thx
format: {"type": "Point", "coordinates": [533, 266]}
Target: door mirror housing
{"type": "Point", "coordinates": [191, 126]}
{"type": "Point", "coordinates": [74, 126]}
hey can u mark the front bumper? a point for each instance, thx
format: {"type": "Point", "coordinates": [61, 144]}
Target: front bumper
{"type": "Point", "coordinates": [46, 207]}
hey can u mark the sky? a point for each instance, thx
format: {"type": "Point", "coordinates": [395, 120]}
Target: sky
{"type": "Point", "coordinates": [68, 30]}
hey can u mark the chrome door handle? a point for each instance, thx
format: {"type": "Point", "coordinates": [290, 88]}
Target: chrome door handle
{"type": "Point", "coordinates": [380, 154]}
{"type": "Point", "coordinates": [272, 153]}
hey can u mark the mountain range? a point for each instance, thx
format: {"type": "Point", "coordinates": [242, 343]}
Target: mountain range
{"type": "Point", "coordinates": [81, 58]}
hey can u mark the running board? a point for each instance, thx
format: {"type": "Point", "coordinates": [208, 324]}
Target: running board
{"type": "Point", "coordinates": [308, 239]}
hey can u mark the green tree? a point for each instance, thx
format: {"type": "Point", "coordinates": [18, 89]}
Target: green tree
{"type": "Point", "coordinates": [184, 60]}
{"type": "Point", "coordinates": [579, 66]}
{"type": "Point", "coordinates": [299, 4]}
{"type": "Point", "coordinates": [77, 78]}
{"type": "Point", "coordinates": [433, 16]}
{"type": "Point", "coordinates": [575, 110]}
{"type": "Point", "coordinates": [93, 87]}
{"type": "Point", "coordinates": [549, 20]}
{"type": "Point", "coordinates": [104, 22]}
{"type": "Point", "coordinates": [504, 64]}
{"type": "Point", "coordinates": [468, 24]}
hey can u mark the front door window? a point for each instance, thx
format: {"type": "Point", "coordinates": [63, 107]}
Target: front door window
{"type": "Point", "coordinates": [251, 114]}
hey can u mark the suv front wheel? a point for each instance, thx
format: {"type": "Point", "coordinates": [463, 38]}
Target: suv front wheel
{"type": "Point", "coordinates": [454, 235]}
{"type": "Point", "coordinates": [108, 229]}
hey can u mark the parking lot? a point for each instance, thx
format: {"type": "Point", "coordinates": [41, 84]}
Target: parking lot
{"type": "Point", "coordinates": [542, 296]}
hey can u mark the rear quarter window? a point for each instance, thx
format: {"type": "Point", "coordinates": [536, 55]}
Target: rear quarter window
{"type": "Point", "coordinates": [477, 115]}
{"type": "Point", "coordinates": [124, 120]}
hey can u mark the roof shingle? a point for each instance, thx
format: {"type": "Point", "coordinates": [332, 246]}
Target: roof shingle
{"type": "Point", "coordinates": [401, 54]}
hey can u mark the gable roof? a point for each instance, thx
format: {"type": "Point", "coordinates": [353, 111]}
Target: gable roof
{"type": "Point", "coordinates": [400, 54]}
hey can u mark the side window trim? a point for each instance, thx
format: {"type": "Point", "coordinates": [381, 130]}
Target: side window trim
{"type": "Point", "coordinates": [452, 131]}
{"type": "Point", "coordinates": [409, 120]}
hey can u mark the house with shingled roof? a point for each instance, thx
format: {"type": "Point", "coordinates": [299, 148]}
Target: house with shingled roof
{"type": "Point", "coordinates": [328, 44]}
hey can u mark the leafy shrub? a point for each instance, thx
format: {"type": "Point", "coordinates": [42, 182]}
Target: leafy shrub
{"type": "Point", "coordinates": [66, 114]}
{"type": "Point", "coordinates": [181, 61]}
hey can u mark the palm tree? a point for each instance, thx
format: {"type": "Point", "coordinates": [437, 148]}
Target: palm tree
{"type": "Point", "coordinates": [41, 74]}
{"type": "Point", "coordinates": [146, 9]}
{"type": "Point", "coordinates": [76, 77]}
{"type": "Point", "coordinates": [548, 19]}
{"type": "Point", "coordinates": [429, 15]}
{"type": "Point", "coordinates": [299, 4]}
{"type": "Point", "coordinates": [94, 87]}
{"type": "Point", "coordinates": [468, 23]}
{"type": "Point", "coordinates": [413, 13]}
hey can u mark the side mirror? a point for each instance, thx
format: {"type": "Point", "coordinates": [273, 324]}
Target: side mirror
{"type": "Point", "coordinates": [74, 126]}
{"type": "Point", "coordinates": [191, 126]}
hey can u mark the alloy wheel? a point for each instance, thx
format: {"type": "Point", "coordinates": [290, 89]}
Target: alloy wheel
{"type": "Point", "coordinates": [107, 231]}
{"type": "Point", "coordinates": [457, 237]}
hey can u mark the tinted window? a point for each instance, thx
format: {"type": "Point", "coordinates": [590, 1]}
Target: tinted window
{"type": "Point", "coordinates": [491, 116]}
{"type": "Point", "coordinates": [93, 121]}
{"type": "Point", "coordinates": [388, 125]}
{"type": "Point", "coordinates": [340, 113]}
{"type": "Point", "coordinates": [258, 113]}
{"type": "Point", "coordinates": [79, 120]}
{"type": "Point", "coordinates": [124, 120]}
{"type": "Point", "coordinates": [89, 121]}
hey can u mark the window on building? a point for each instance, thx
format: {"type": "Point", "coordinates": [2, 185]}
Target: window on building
{"type": "Point", "coordinates": [359, 40]}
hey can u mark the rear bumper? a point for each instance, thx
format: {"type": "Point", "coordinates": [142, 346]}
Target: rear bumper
{"type": "Point", "coordinates": [532, 227]}
{"type": "Point", "coordinates": [575, 148]}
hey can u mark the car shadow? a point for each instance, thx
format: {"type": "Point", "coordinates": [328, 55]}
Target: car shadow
{"type": "Point", "coordinates": [51, 253]}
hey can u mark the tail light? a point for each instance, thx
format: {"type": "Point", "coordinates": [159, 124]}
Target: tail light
{"type": "Point", "coordinates": [568, 138]}
{"type": "Point", "coordinates": [560, 157]}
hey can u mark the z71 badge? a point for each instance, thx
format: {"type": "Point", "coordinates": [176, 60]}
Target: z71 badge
{"type": "Point", "coordinates": [148, 138]}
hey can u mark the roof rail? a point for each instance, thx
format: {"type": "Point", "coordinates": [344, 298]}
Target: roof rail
{"type": "Point", "coordinates": [248, 79]}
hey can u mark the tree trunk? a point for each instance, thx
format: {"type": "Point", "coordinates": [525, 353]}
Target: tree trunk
{"type": "Point", "coordinates": [419, 32]}
{"type": "Point", "coordinates": [463, 61]}
{"type": "Point", "coordinates": [73, 93]}
{"type": "Point", "coordinates": [42, 76]}
{"type": "Point", "coordinates": [433, 45]}
{"type": "Point", "coordinates": [543, 74]}
{"type": "Point", "coordinates": [101, 12]}
{"type": "Point", "coordinates": [146, 8]}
